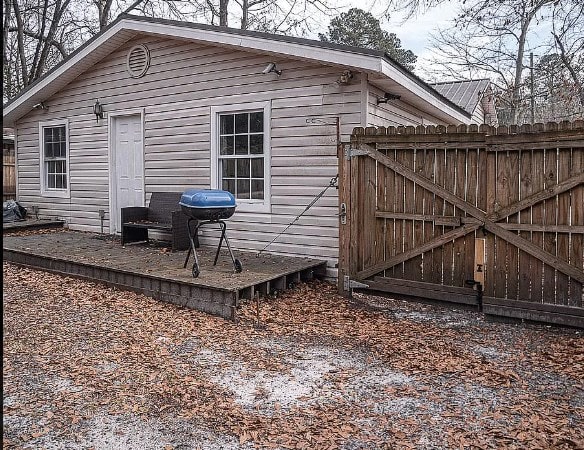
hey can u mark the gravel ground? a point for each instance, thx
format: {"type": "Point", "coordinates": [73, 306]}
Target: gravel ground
{"type": "Point", "coordinates": [91, 367]}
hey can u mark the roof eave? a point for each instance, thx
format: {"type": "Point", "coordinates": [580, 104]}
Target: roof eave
{"type": "Point", "coordinates": [441, 107]}
{"type": "Point", "coordinates": [364, 60]}
{"type": "Point", "coordinates": [36, 92]}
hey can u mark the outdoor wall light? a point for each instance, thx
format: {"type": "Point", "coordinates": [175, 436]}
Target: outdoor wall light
{"type": "Point", "coordinates": [386, 97]}
{"type": "Point", "coordinates": [98, 111]}
{"type": "Point", "coordinates": [272, 68]}
{"type": "Point", "coordinates": [41, 106]}
{"type": "Point", "coordinates": [345, 77]}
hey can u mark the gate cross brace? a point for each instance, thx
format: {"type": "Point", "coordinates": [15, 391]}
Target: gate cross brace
{"type": "Point", "coordinates": [488, 221]}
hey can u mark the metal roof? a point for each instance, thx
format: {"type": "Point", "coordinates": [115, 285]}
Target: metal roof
{"type": "Point", "coordinates": [465, 94]}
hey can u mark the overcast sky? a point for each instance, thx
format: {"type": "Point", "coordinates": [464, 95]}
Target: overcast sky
{"type": "Point", "coordinates": [414, 33]}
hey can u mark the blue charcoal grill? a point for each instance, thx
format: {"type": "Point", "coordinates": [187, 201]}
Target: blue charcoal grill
{"type": "Point", "coordinates": [204, 207]}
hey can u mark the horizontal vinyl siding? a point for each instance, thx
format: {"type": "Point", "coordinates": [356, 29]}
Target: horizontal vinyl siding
{"type": "Point", "coordinates": [478, 115]}
{"type": "Point", "coordinates": [176, 95]}
{"type": "Point", "coordinates": [394, 113]}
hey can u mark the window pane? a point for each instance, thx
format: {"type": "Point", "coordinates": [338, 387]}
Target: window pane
{"type": "Point", "coordinates": [241, 123]}
{"type": "Point", "coordinates": [50, 177]}
{"type": "Point", "coordinates": [241, 144]}
{"type": "Point", "coordinates": [56, 150]}
{"type": "Point", "coordinates": [257, 168]}
{"type": "Point", "coordinates": [63, 149]}
{"type": "Point", "coordinates": [48, 135]}
{"type": "Point", "coordinates": [256, 122]}
{"type": "Point", "coordinates": [48, 150]}
{"type": "Point", "coordinates": [226, 124]}
{"type": "Point", "coordinates": [60, 131]}
{"type": "Point", "coordinates": [228, 168]}
{"type": "Point", "coordinates": [257, 189]}
{"type": "Point", "coordinates": [256, 144]}
{"type": "Point", "coordinates": [229, 185]}
{"type": "Point", "coordinates": [243, 168]}
{"type": "Point", "coordinates": [226, 145]}
{"type": "Point", "coordinates": [243, 189]}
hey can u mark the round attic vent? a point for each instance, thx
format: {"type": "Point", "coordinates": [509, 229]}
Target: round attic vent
{"type": "Point", "coordinates": [138, 60]}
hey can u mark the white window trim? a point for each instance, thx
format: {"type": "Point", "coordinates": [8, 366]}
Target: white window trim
{"type": "Point", "coordinates": [45, 191]}
{"type": "Point", "coordinates": [243, 205]}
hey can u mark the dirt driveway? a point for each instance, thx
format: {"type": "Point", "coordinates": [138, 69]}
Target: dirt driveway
{"type": "Point", "coordinates": [90, 367]}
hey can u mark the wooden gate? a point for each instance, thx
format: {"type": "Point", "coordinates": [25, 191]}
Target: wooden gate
{"type": "Point", "coordinates": [476, 215]}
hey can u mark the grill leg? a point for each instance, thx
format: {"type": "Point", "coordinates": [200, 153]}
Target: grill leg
{"type": "Point", "coordinates": [196, 270]}
{"type": "Point", "coordinates": [192, 247]}
{"type": "Point", "coordinates": [193, 238]}
{"type": "Point", "coordinates": [223, 227]}
{"type": "Point", "coordinates": [236, 262]}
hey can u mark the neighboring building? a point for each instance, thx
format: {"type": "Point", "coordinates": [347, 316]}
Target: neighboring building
{"type": "Point", "coordinates": [8, 165]}
{"type": "Point", "coordinates": [190, 105]}
{"type": "Point", "coordinates": [476, 97]}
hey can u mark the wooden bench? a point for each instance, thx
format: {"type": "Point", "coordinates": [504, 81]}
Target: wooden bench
{"type": "Point", "coordinates": [162, 214]}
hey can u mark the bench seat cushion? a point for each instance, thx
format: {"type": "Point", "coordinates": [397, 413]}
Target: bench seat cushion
{"type": "Point", "coordinates": [150, 225]}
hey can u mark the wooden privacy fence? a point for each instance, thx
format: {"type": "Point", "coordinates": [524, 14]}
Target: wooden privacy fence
{"type": "Point", "coordinates": [467, 214]}
{"type": "Point", "coordinates": [8, 176]}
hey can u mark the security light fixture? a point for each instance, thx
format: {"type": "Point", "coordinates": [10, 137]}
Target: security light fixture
{"type": "Point", "coordinates": [98, 111]}
{"type": "Point", "coordinates": [41, 106]}
{"type": "Point", "coordinates": [345, 77]}
{"type": "Point", "coordinates": [386, 97]}
{"type": "Point", "coordinates": [272, 68]}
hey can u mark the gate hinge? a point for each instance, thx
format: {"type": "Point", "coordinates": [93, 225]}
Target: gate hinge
{"type": "Point", "coordinates": [349, 284]}
{"type": "Point", "coordinates": [350, 152]}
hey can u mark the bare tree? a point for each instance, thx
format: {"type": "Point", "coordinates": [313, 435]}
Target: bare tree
{"type": "Point", "coordinates": [33, 40]}
{"type": "Point", "coordinates": [491, 38]}
{"type": "Point", "coordinates": [38, 34]}
{"type": "Point", "coordinates": [568, 34]}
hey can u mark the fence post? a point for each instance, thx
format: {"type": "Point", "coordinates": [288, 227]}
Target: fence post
{"type": "Point", "coordinates": [344, 217]}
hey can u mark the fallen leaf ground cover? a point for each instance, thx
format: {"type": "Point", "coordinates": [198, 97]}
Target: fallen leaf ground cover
{"type": "Point", "coordinates": [88, 366]}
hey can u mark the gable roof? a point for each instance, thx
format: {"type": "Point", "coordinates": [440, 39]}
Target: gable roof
{"type": "Point", "coordinates": [465, 94]}
{"type": "Point", "coordinates": [383, 71]}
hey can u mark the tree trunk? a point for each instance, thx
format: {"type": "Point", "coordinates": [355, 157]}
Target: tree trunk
{"type": "Point", "coordinates": [573, 74]}
{"type": "Point", "coordinates": [245, 15]}
{"type": "Point", "coordinates": [20, 39]}
{"type": "Point", "coordinates": [223, 12]}
{"type": "Point", "coordinates": [519, 70]}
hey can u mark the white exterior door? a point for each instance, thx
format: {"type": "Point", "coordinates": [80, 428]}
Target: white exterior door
{"type": "Point", "coordinates": [128, 165]}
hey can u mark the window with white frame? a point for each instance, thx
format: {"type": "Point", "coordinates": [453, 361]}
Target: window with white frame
{"type": "Point", "coordinates": [54, 158]}
{"type": "Point", "coordinates": [241, 153]}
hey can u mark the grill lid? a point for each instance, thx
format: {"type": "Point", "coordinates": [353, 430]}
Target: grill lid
{"type": "Point", "coordinates": [207, 198]}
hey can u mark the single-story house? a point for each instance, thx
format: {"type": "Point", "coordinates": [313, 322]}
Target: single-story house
{"type": "Point", "coordinates": [188, 105]}
{"type": "Point", "coordinates": [476, 97]}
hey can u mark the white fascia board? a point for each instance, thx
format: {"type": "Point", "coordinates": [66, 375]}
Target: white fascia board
{"type": "Point", "coordinates": [60, 71]}
{"type": "Point", "coordinates": [369, 63]}
{"type": "Point", "coordinates": [399, 77]}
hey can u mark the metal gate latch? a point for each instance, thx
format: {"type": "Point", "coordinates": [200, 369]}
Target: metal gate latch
{"type": "Point", "coordinates": [343, 213]}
